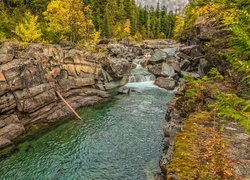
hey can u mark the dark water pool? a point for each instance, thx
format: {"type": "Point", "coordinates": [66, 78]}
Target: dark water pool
{"type": "Point", "coordinates": [120, 139]}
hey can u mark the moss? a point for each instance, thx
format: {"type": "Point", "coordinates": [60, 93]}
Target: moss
{"type": "Point", "coordinates": [6, 152]}
{"type": "Point", "coordinates": [199, 151]}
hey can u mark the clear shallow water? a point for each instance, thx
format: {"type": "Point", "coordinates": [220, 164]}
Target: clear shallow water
{"type": "Point", "coordinates": [120, 139]}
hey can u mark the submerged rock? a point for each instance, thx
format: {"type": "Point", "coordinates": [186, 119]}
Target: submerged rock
{"type": "Point", "coordinates": [123, 90]}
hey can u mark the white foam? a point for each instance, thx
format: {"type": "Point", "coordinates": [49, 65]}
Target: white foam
{"type": "Point", "coordinates": [143, 85]}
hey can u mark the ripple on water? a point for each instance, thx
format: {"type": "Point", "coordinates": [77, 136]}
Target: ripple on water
{"type": "Point", "coordinates": [120, 139]}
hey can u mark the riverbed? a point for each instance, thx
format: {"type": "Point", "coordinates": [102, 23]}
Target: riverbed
{"type": "Point", "coordinates": [119, 139]}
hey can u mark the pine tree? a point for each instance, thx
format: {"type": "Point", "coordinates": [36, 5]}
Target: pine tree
{"type": "Point", "coordinates": [148, 26]}
{"type": "Point", "coordinates": [77, 20]}
{"type": "Point", "coordinates": [106, 30]}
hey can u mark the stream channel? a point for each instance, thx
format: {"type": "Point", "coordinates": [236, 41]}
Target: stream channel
{"type": "Point", "coordinates": [120, 139]}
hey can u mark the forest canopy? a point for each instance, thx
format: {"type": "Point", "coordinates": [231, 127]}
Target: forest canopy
{"type": "Point", "coordinates": [52, 21]}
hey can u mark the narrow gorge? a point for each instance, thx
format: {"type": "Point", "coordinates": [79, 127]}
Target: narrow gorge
{"type": "Point", "coordinates": [134, 89]}
{"type": "Point", "coordinates": [112, 135]}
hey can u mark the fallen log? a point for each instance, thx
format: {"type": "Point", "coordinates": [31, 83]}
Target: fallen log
{"type": "Point", "coordinates": [76, 114]}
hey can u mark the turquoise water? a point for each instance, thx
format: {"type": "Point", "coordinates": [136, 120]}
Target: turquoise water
{"type": "Point", "coordinates": [119, 139]}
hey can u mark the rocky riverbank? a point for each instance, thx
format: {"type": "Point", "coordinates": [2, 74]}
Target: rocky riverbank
{"type": "Point", "coordinates": [207, 41]}
{"type": "Point", "coordinates": [31, 76]}
{"type": "Point", "coordinates": [189, 60]}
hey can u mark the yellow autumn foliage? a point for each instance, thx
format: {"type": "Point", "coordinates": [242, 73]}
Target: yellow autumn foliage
{"type": "Point", "coordinates": [66, 17]}
{"type": "Point", "coordinates": [209, 10]}
{"type": "Point", "coordinates": [179, 27]}
{"type": "Point", "coordinates": [127, 28]}
{"type": "Point", "coordinates": [29, 30]}
{"type": "Point", "coordinates": [123, 30]}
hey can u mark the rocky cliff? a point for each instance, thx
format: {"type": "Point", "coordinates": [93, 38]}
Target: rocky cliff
{"type": "Point", "coordinates": [206, 42]}
{"type": "Point", "coordinates": [30, 77]}
{"type": "Point", "coordinates": [170, 5]}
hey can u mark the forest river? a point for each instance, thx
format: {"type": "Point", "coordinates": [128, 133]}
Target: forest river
{"type": "Point", "coordinates": [118, 139]}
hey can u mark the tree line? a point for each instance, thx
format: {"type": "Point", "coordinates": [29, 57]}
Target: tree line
{"type": "Point", "coordinates": [81, 20]}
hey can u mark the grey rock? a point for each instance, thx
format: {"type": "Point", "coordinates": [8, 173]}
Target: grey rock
{"type": "Point", "coordinates": [166, 83]}
{"type": "Point", "coordinates": [172, 61]}
{"type": "Point", "coordinates": [37, 102]}
{"type": "Point", "coordinates": [167, 70]}
{"type": "Point", "coordinates": [170, 52]}
{"type": "Point", "coordinates": [194, 75]}
{"type": "Point", "coordinates": [155, 69]}
{"type": "Point", "coordinates": [4, 88]}
{"type": "Point", "coordinates": [123, 90]}
{"type": "Point", "coordinates": [118, 67]}
{"type": "Point", "coordinates": [158, 57]}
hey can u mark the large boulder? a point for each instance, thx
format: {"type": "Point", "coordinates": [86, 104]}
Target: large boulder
{"type": "Point", "coordinates": [171, 51]}
{"type": "Point", "coordinates": [166, 83]}
{"type": "Point", "coordinates": [122, 51]}
{"type": "Point", "coordinates": [172, 61]}
{"type": "Point", "coordinates": [155, 69]}
{"type": "Point", "coordinates": [193, 51]}
{"type": "Point", "coordinates": [117, 49]}
{"type": "Point", "coordinates": [116, 67]}
{"type": "Point", "coordinates": [158, 57]}
{"type": "Point", "coordinates": [123, 90]}
{"type": "Point", "coordinates": [167, 70]}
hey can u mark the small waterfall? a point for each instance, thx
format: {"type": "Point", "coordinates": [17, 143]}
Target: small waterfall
{"type": "Point", "coordinates": [140, 74]}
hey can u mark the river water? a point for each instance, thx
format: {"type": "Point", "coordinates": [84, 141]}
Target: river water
{"type": "Point", "coordinates": [118, 139]}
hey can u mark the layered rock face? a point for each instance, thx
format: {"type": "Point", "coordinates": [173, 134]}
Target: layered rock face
{"type": "Point", "coordinates": [209, 36]}
{"type": "Point", "coordinates": [30, 77]}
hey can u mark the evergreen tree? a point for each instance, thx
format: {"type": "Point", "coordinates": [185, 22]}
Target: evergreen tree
{"type": "Point", "coordinates": [106, 30]}
{"type": "Point", "coordinates": [77, 20]}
